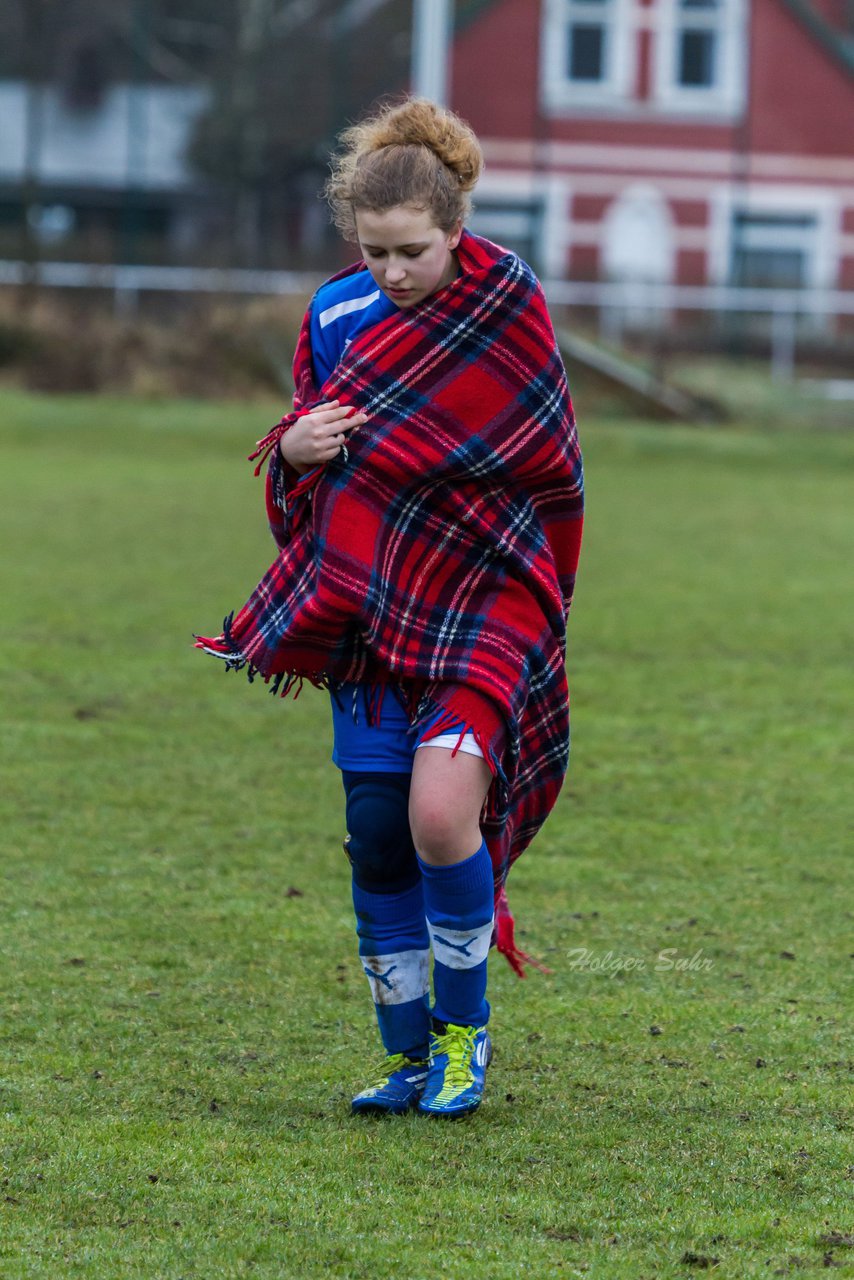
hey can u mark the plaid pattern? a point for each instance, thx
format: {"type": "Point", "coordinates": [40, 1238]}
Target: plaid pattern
{"type": "Point", "coordinates": [439, 549]}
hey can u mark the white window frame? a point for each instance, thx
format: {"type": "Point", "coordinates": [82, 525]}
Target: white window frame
{"type": "Point", "coordinates": [726, 97]}
{"type": "Point", "coordinates": [553, 192]}
{"type": "Point", "coordinates": [784, 231]}
{"type": "Point", "coordinates": [820, 241]}
{"type": "Point", "coordinates": [614, 89]}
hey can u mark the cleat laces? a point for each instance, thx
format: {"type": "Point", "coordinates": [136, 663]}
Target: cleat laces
{"type": "Point", "coordinates": [391, 1063]}
{"type": "Point", "coordinates": [458, 1045]}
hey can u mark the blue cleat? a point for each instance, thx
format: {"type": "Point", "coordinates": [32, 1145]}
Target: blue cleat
{"type": "Point", "coordinates": [459, 1057]}
{"type": "Point", "coordinates": [398, 1087]}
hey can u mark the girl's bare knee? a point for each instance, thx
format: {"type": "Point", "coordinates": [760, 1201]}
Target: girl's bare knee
{"type": "Point", "coordinates": [440, 835]}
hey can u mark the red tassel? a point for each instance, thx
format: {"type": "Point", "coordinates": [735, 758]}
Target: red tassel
{"type": "Point", "coordinates": [213, 645]}
{"type": "Point", "coordinates": [506, 943]}
{"type": "Point", "coordinates": [374, 695]}
{"type": "Point", "coordinates": [265, 447]}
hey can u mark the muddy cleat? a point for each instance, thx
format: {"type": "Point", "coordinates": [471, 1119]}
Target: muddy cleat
{"type": "Point", "coordinates": [459, 1057]}
{"type": "Point", "coordinates": [398, 1087]}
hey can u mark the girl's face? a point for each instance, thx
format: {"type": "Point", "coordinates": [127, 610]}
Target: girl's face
{"type": "Point", "coordinates": [408, 257]}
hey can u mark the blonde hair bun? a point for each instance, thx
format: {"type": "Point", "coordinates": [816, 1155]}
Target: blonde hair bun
{"type": "Point", "coordinates": [411, 153]}
{"type": "Point", "coordinates": [420, 121]}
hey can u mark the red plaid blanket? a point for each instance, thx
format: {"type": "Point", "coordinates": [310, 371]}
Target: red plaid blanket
{"type": "Point", "coordinates": [439, 549]}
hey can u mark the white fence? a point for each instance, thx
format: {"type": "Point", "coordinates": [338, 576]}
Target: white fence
{"type": "Point", "coordinates": [618, 305]}
{"type": "Point", "coordinates": [127, 283]}
{"type": "Point", "coordinates": [634, 305]}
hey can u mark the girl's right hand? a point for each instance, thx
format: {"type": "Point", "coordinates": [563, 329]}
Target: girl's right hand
{"type": "Point", "coordinates": [318, 436]}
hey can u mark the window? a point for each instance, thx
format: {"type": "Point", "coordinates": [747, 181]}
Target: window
{"type": "Point", "coordinates": [697, 41]}
{"type": "Point", "coordinates": [585, 52]}
{"type": "Point", "coordinates": [515, 222]}
{"type": "Point", "coordinates": [586, 41]}
{"type": "Point", "coordinates": [700, 55]}
{"type": "Point", "coordinates": [773, 249]}
{"type": "Point", "coordinates": [697, 58]}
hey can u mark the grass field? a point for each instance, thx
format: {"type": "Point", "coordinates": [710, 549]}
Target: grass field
{"type": "Point", "coordinates": [183, 1016]}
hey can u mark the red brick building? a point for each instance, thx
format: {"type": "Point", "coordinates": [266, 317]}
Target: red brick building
{"type": "Point", "coordinates": [692, 141]}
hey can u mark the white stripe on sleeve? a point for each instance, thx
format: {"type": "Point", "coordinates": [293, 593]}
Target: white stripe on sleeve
{"type": "Point", "coordinates": [346, 308]}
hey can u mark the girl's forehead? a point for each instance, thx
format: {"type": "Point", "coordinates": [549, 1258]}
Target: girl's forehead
{"type": "Point", "coordinates": [403, 224]}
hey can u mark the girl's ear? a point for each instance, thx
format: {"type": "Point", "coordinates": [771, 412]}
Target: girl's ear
{"type": "Point", "coordinates": [455, 236]}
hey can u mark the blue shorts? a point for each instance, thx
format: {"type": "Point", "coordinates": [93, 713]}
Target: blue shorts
{"type": "Point", "coordinates": [388, 746]}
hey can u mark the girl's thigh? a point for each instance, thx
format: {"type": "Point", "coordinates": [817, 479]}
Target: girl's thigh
{"type": "Point", "coordinates": [446, 800]}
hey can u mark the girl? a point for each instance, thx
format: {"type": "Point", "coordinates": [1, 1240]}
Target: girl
{"type": "Point", "coordinates": [426, 497]}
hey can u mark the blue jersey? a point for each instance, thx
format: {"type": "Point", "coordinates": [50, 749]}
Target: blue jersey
{"type": "Point", "coordinates": [339, 310]}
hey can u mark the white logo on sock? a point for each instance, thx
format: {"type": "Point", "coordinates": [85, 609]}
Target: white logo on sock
{"type": "Point", "coordinates": [461, 948]}
{"type": "Point", "coordinates": [399, 977]}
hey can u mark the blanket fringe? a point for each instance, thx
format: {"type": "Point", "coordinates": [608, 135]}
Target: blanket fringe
{"type": "Point", "coordinates": [224, 648]}
{"type": "Point", "coordinates": [374, 694]}
{"type": "Point", "coordinates": [287, 682]}
{"type": "Point", "coordinates": [446, 721]}
{"type": "Point", "coordinates": [281, 683]}
{"type": "Point", "coordinates": [265, 447]}
{"type": "Point", "coordinates": [506, 943]}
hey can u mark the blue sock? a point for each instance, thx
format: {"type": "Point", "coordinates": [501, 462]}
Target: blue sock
{"type": "Point", "coordinates": [458, 901]}
{"type": "Point", "coordinates": [394, 950]}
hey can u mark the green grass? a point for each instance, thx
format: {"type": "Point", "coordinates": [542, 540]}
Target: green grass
{"type": "Point", "coordinates": [745, 389]}
{"type": "Point", "coordinates": [180, 1034]}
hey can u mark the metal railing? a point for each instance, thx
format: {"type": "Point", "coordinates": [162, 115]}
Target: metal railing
{"type": "Point", "coordinates": [619, 305]}
{"type": "Point", "coordinates": [126, 283]}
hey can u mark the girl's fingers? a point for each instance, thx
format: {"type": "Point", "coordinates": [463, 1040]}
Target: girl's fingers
{"type": "Point", "coordinates": [330, 428]}
{"type": "Point", "coordinates": [337, 426]}
{"type": "Point", "coordinates": [336, 412]}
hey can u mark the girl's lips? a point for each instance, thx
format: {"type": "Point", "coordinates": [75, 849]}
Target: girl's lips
{"type": "Point", "coordinates": [399, 293]}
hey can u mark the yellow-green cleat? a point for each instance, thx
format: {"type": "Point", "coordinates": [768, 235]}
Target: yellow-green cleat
{"type": "Point", "coordinates": [459, 1057]}
{"type": "Point", "coordinates": [397, 1088]}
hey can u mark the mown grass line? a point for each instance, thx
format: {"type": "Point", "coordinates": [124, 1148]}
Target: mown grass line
{"type": "Point", "coordinates": [183, 1013]}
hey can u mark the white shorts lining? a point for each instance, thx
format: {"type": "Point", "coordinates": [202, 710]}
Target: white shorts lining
{"type": "Point", "coordinates": [450, 740]}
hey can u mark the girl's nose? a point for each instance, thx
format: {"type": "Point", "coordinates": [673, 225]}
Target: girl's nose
{"type": "Point", "coordinates": [395, 272]}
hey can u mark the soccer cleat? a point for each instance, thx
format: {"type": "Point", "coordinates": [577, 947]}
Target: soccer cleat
{"type": "Point", "coordinates": [397, 1088]}
{"type": "Point", "coordinates": [459, 1057]}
